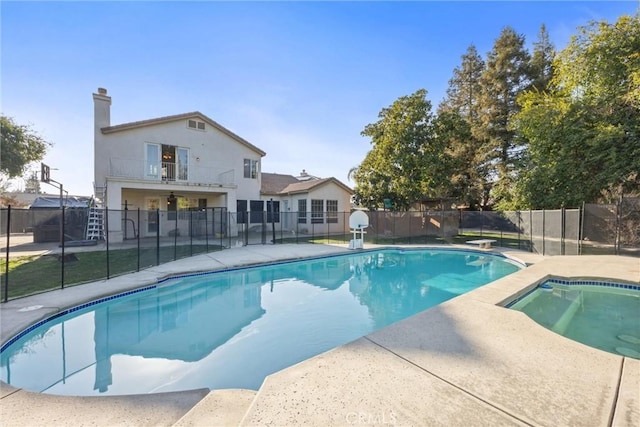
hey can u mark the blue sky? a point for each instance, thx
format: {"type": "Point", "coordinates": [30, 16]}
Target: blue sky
{"type": "Point", "coordinates": [300, 80]}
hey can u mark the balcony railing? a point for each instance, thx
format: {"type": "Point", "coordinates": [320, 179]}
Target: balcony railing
{"type": "Point", "coordinates": [136, 169]}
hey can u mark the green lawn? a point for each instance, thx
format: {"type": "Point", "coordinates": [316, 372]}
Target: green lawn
{"type": "Point", "coordinates": [34, 274]}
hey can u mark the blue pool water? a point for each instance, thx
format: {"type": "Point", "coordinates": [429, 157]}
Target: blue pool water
{"type": "Point", "coordinates": [596, 313]}
{"type": "Point", "coordinates": [231, 329]}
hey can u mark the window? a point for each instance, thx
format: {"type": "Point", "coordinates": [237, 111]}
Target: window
{"type": "Point", "coordinates": [195, 124]}
{"type": "Point", "coordinates": [183, 164]}
{"type": "Point", "coordinates": [276, 211]}
{"type": "Point", "coordinates": [172, 207]}
{"type": "Point", "coordinates": [241, 211]}
{"type": "Point", "coordinates": [153, 161]}
{"type": "Point", "coordinates": [317, 210]}
{"type": "Point", "coordinates": [250, 168]}
{"type": "Point", "coordinates": [302, 211]}
{"type": "Point", "coordinates": [175, 163]}
{"type": "Point", "coordinates": [256, 214]}
{"type": "Point", "coordinates": [185, 207]}
{"type": "Point", "coordinates": [332, 211]}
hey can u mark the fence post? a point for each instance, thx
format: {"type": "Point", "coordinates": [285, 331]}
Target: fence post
{"type": "Point", "coordinates": [223, 231]}
{"type": "Point", "coordinates": [62, 245]}
{"type": "Point", "coordinates": [245, 228]}
{"type": "Point", "coordinates": [106, 238]}
{"type": "Point", "coordinates": [6, 266]}
{"type": "Point", "coordinates": [518, 213]}
{"type": "Point", "coordinates": [138, 240]}
{"type": "Point", "coordinates": [442, 220]}
{"type": "Point", "coordinates": [544, 226]}
{"type": "Point", "coordinates": [190, 233]}
{"type": "Point", "coordinates": [206, 230]}
{"type": "Point", "coordinates": [563, 222]}
{"type": "Point", "coordinates": [618, 224]}
{"type": "Point", "coordinates": [581, 229]}
{"type": "Point", "coordinates": [530, 230]}
{"type": "Point", "coordinates": [157, 236]}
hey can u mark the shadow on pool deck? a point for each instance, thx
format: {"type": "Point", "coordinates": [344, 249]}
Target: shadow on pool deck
{"type": "Point", "coordinates": [468, 361]}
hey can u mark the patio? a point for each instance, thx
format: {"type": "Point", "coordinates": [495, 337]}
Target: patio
{"type": "Point", "coordinates": [465, 362]}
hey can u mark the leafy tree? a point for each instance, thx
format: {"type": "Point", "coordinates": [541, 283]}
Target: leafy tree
{"type": "Point", "coordinates": [584, 135]}
{"type": "Point", "coordinates": [542, 61]}
{"type": "Point", "coordinates": [406, 162]}
{"type": "Point", "coordinates": [465, 180]}
{"type": "Point", "coordinates": [19, 146]}
{"type": "Point", "coordinates": [505, 77]}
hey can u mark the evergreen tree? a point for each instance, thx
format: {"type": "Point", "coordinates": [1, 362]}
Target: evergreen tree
{"type": "Point", "coordinates": [459, 125]}
{"type": "Point", "coordinates": [32, 183]}
{"type": "Point", "coordinates": [463, 93]}
{"type": "Point", "coordinates": [542, 61]}
{"type": "Point", "coordinates": [506, 75]}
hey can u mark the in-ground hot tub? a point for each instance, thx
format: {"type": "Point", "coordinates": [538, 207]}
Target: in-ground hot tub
{"type": "Point", "coordinates": [598, 313]}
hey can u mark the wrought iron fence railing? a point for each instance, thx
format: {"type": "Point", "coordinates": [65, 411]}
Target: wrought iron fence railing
{"type": "Point", "coordinates": [45, 249]}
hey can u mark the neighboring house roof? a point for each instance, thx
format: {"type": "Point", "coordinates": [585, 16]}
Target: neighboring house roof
{"type": "Point", "coordinates": [277, 184]}
{"type": "Point", "coordinates": [274, 183]}
{"type": "Point", "coordinates": [177, 117]}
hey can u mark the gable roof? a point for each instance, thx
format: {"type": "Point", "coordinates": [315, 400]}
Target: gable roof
{"type": "Point", "coordinates": [177, 117]}
{"type": "Point", "coordinates": [277, 184]}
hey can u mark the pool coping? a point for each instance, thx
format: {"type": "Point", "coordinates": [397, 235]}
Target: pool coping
{"type": "Point", "coordinates": [495, 365]}
{"type": "Point", "coordinates": [617, 389]}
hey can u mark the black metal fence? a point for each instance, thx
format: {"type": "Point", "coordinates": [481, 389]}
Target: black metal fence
{"type": "Point", "coordinates": [45, 249]}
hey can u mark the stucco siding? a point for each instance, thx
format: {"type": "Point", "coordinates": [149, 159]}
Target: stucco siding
{"type": "Point", "coordinates": [123, 153]}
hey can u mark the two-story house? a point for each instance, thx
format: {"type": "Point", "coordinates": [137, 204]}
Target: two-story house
{"type": "Point", "coordinates": [187, 169]}
{"type": "Point", "coordinates": [168, 164]}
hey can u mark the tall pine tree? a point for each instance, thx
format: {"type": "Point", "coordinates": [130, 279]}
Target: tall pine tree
{"type": "Point", "coordinates": [458, 123]}
{"type": "Point", "coordinates": [507, 75]}
{"type": "Point", "coordinates": [542, 61]}
{"type": "Point", "coordinates": [463, 93]}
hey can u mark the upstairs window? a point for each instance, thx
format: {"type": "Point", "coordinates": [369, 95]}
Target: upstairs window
{"type": "Point", "coordinates": [195, 124]}
{"type": "Point", "coordinates": [250, 168]}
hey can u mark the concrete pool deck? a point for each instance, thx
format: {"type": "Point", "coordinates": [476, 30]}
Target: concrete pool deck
{"type": "Point", "coordinates": [467, 361]}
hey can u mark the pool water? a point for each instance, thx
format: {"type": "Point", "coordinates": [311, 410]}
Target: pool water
{"type": "Point", "coordinates": [604, 317]}
{"type": "Point", "coordinates": [231, 329]}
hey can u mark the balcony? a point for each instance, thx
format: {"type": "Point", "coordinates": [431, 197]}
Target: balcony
{"type": "Point", "coordinates": [169, 172]}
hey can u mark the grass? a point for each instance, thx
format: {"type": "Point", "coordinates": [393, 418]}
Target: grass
{"type": "Point", "coordinates": [34, 274]}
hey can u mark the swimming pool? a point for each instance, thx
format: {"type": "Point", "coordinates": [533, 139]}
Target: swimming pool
{"type": "Point", "coordinates": [596, 313]}
{"type": "Point", "coordinates": [230, 329]}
